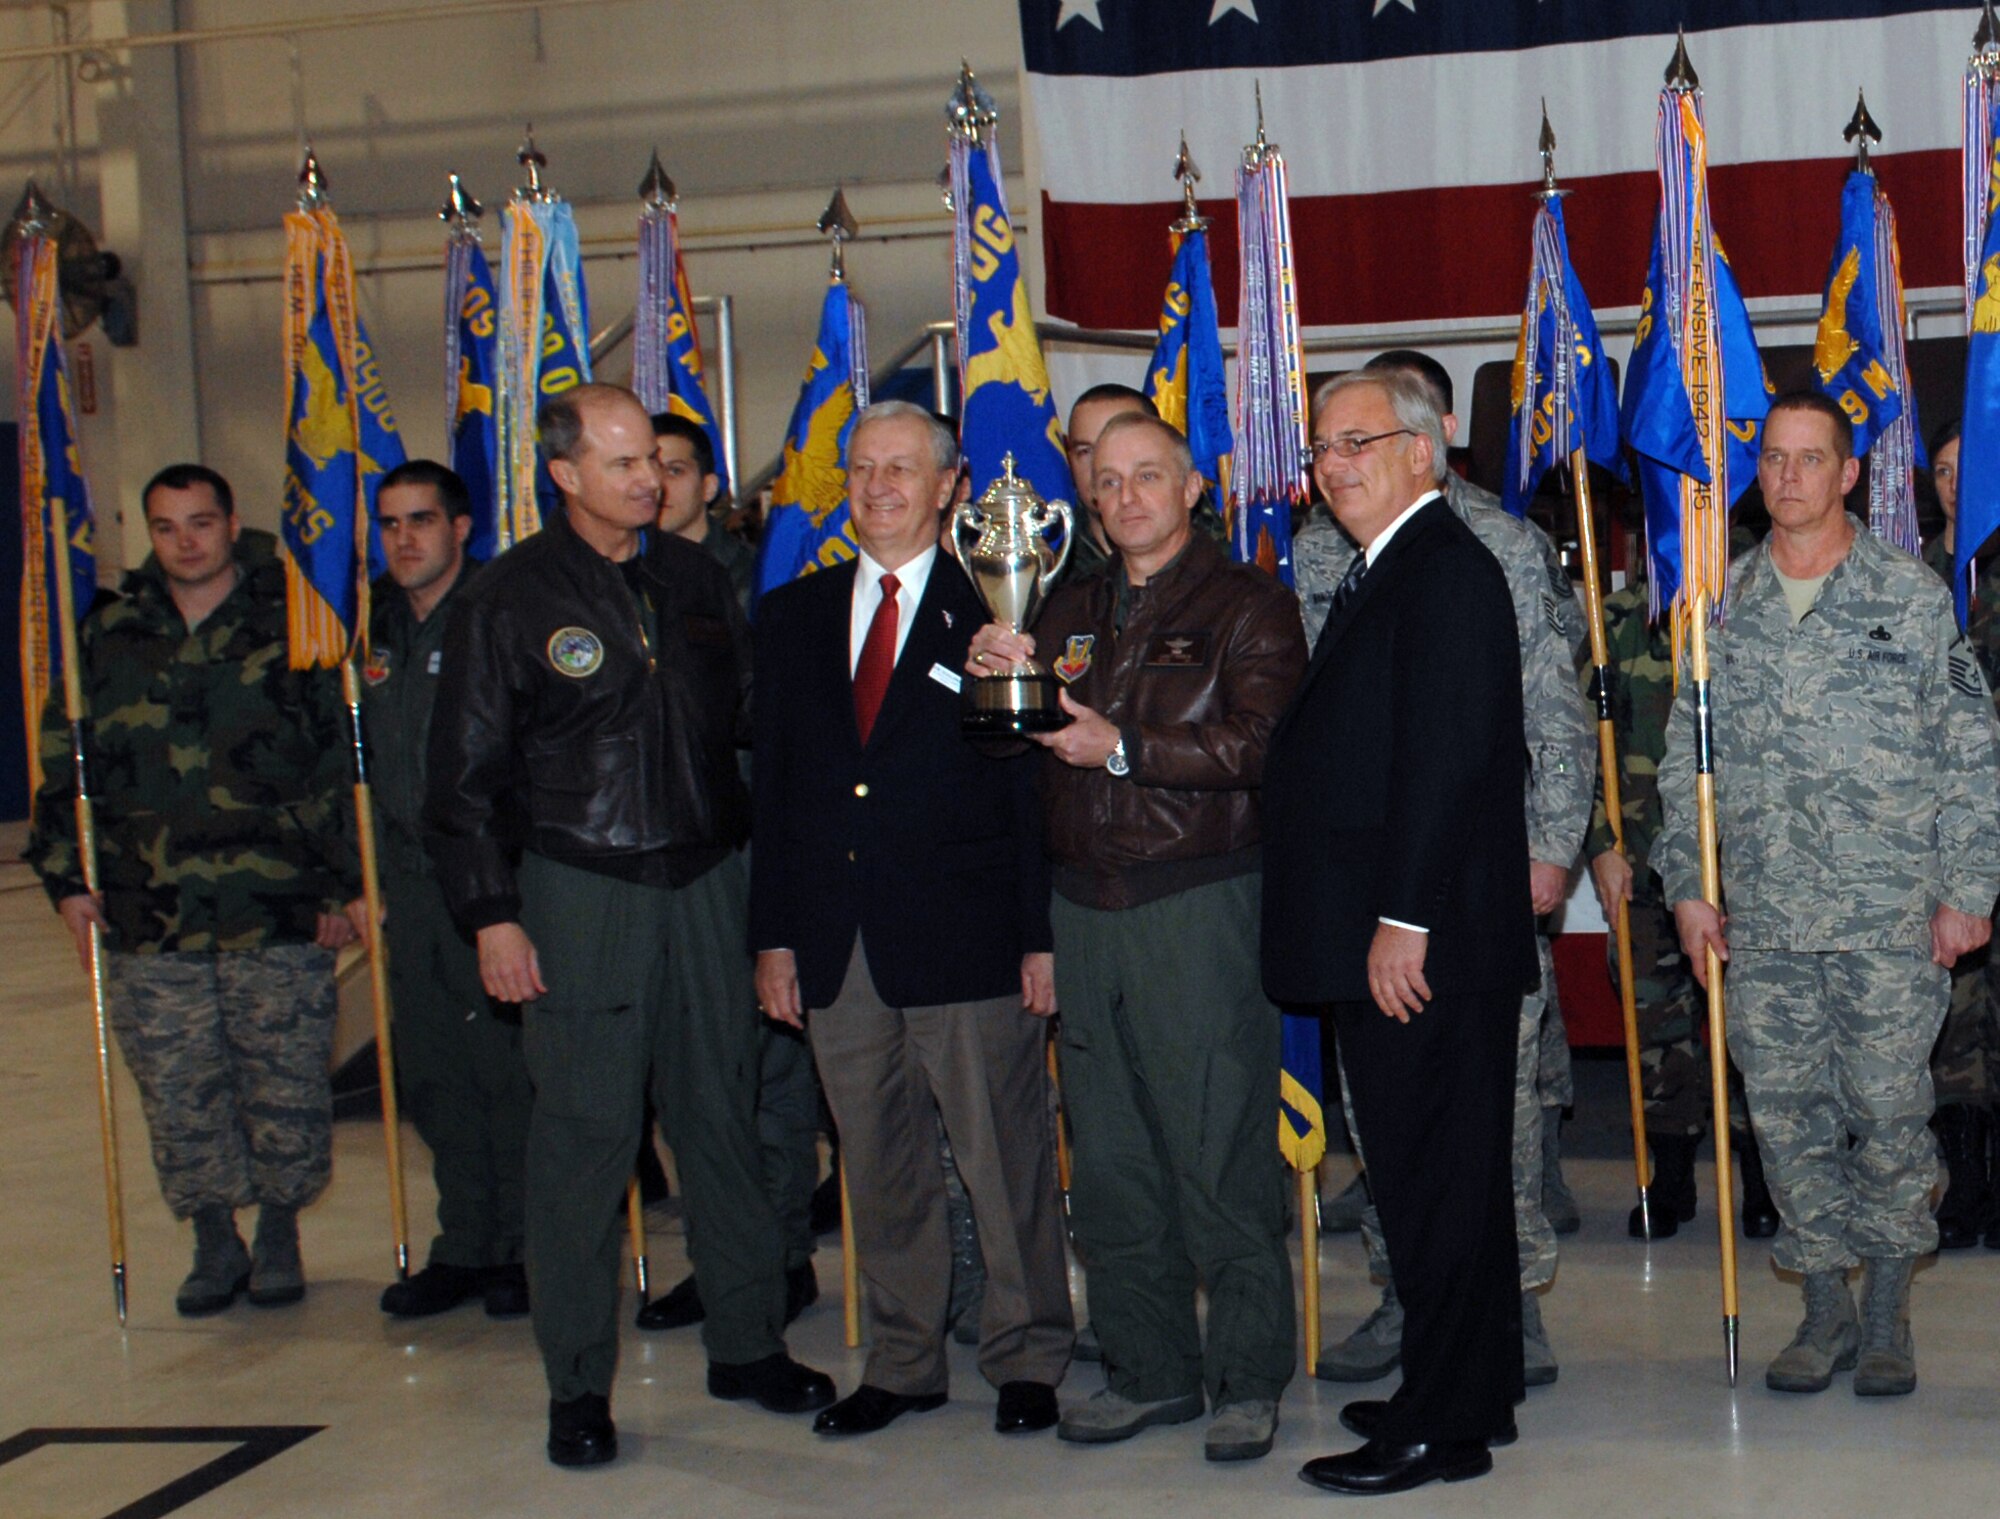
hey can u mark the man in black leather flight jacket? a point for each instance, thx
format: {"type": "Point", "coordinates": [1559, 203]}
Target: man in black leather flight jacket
{"type": "Point", "coordinates": [594, 691]}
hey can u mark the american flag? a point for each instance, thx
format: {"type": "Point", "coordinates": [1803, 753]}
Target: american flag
{"type": "Point", "coordinates": [1410, 128]}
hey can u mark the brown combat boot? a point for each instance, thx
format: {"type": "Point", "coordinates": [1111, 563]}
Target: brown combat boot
{"type": "Point", "coordinates": [1888, 1365]}
{"type": "Point", "coordinates": [1828, 1341]}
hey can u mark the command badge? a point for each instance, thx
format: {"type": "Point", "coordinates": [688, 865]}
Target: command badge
{"type": "Point", "coordinates": [1075, 657]}
{"type": "Point", "coordinates": [377, 669]}
{"type": "Point", "coordinates": [576, 651]}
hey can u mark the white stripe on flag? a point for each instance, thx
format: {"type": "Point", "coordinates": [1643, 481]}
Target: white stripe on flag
{"type": "Point", "coordinates": [1772, 93]}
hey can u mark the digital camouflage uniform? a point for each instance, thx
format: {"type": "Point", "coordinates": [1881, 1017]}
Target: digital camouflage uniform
{"type": "Point", "coordinates": [459, 1067]}
{"type": "Point", "coordinates": [1965, 1066]}
{"type": "Point", "coordinates": [1856, 773]}
{"type": "Point", "coordinates": [219, 775]}
{"type": "Point", "coordinates": [1562, 747]}
{"type": "Point", "coordinates": [1671, 1007]}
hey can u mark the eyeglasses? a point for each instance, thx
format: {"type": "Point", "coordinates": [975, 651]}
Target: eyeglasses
{"type": "Point", "coordinates": [1347, 446]}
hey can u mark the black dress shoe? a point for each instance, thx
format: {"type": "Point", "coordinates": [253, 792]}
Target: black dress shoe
{"type": "Point", "coordinates": [682, 1305]}
{"type": "Point", "coordinates": [506, 1291]}
{"type": "Point", "coordinates": [778, 1383]}
{"type": "Point", "coordinates": [581, 1432]}
{"type": "Point", "coordinates": [1760, 1218]}
{"type": "Point", "coordinates": [801, 1290]}
{"type": "Point", "coordinates": [678, 1309]}
{"type": "Point", "coordinates": [1025, 1407]}
{"type": "Point", "coordinates": [437, 1288]}
{"type": "Point", "coordinates": [1364, 1418]}
{"type": "Point", "coordinates": [1379, 1468]}
{"type": "Point", "coordinates": [868, 1409]}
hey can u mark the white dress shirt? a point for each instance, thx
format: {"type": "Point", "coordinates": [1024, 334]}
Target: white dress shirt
{"type": "Point", "coordinates": [1374, 550]}
{"type": "Point", "coordinates": [910, 580]}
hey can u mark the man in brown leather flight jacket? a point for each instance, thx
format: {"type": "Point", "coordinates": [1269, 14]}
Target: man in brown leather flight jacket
{"type": "Point", "coordinates": [1176, 665]}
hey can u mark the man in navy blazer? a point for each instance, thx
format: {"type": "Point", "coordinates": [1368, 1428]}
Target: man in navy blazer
{"type": "Point", "coordinates": [899, 908]}
{"type": "Point", "coordinates": [1396, 894]}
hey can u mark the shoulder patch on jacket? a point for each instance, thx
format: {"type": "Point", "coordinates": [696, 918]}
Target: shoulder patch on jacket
{"type": "Point", "coordinates": [1075, 658]}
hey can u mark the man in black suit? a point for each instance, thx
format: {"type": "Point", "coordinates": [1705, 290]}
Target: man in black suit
{"type": "Point", "coordinates": [901, 895]}
{"type": "Point", "coordinates": [1396, 876]}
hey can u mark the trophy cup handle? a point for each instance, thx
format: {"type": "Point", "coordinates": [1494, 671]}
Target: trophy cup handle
{"type": "Point", "coordinates": [967, 521]}
{"type": "Point", "coordinates": [1059, 510]}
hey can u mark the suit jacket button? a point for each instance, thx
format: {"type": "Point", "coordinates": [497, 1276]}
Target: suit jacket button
{"type": "Point", "coordinates": [862, 789]}
{"type": "Point", "coordinates": [850, 857]}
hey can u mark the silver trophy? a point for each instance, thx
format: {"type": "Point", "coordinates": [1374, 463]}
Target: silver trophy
{"type": "Point", "coordinates": [1003, 542]}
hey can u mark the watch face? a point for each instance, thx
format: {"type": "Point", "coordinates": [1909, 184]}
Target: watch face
{"type": "Point", "coordinates": [1116, 762]}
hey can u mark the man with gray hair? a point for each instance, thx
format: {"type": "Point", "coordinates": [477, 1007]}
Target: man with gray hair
{"type": "Point", "coordinates": [591, 700]}
{"type": "Point", "coordinates": [1175, 664]}
{"type": "Point", "coordinates": [1395, 901]}
{"type": "Point", "coordinates": [899, 908]}
{"type": "Point", "coordinates": [1562, 764]}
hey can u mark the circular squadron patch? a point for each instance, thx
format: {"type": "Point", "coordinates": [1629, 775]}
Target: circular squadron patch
{"type": "Point", "coordinates": [576, 651]}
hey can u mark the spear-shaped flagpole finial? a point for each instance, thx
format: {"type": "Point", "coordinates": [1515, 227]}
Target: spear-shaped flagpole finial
{"type": "Point", "coordinates": [970, 112]}
{"type": "Point", "coordinates": [35, 213]}
{"type": "Point", "coordinates": [1189, 175]}
{"type": "Point", "coordinates": [1546, 146]}
{"type": "Point", "coordinates": [1985, 60]}
{"type": "Point", "coordinates": [459, 210]}
{"type": "Point", "coordinates": [1681, 77]}
{"type": "Point", "coordinates": [534, 160]}
{"type": "Point", "coordinates": [657, 189]}
{"type": "Point", "coordinates": [1861, 131]}
{"type": "Point", "coordinates": [312, 182]}
{"type": "Point", "coordinates": [837, 224]}
{"type": "Point", "coordinates": [1263, 149]}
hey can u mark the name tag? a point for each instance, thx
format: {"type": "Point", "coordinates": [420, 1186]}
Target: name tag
{"type": "Point", "coordinates": [951, 680]}
{"type": "Point", "coordinates": [436, 661]}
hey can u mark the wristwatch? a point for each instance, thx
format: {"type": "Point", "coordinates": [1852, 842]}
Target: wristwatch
{"type": "Point", "coordinates": [1115, 761]}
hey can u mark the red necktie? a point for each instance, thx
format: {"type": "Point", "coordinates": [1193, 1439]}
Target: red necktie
{"type": "Point", "coordinates": [878, 660]}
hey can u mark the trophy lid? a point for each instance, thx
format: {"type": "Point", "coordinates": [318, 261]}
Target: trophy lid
{"type": "Point", "coordinates": [1010, 493]}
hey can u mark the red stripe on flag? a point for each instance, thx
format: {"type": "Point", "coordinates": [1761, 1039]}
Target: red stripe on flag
{"type": "Point", "coordinates": [1443, 254]}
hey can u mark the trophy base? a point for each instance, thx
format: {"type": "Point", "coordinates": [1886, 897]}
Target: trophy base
{"type": "Point", "coordinates": [1013, 705]}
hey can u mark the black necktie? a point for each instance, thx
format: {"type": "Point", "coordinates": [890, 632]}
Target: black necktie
{"type": "Point", "coordinates": [1344, 592]}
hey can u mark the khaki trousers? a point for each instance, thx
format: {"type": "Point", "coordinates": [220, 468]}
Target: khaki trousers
{"type": "Point", "coordinates": [888, 1073]}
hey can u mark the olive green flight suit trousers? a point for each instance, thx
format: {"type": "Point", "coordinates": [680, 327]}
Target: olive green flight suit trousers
{"type": "Point", "coordinates": [643, 977]}
{"type": "Point", "coordinates": [463, 1081]}
{"type": "Point", "coordinates": [1169, 1058]}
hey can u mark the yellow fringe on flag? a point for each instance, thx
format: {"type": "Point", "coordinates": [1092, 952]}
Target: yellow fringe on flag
{"type": "Point", "coordinates": [37, 306]}
{"type": "Point", "coordinates": [520, 362]}
{"type": "Point", "coordinates": [1704, 511]}
{"type": "Point", "coordinates": [318, 269]}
